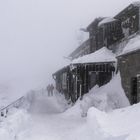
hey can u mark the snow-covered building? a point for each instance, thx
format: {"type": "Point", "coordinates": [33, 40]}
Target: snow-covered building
{"type": "Point", "coordinates": [94, 62]}
{"type": "Point", "coordinates": [110, 32]}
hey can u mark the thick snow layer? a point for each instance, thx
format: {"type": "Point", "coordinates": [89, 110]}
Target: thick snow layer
{"type": "Point", "coordinates": [41, 124]}
{"type": "Point", "coordinates": [132, 45]}
{"type": "Point", "coordinates": [105, 98]}
{"type": "Point", "coordinates": [106, 20]}
{"type": "Point", "coordinates": [102, 55]}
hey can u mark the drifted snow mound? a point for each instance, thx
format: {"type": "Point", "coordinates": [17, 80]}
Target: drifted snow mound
{"type": "Point", "coordinates": [94, 128]}
{"type": "Point", "coordinates": [120, 123]}
{"type": "Point", "coordinates": [108, 97]}
{"type": "Point", "coordinates": [15, 125]}
{"type": "Point", "coordinates": [40, 102]}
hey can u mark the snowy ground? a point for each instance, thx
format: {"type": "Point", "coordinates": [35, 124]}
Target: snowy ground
{"type": "Point", "coordinates": [51, 118]}
{"type": "Point", "coordinates": [49, 121]}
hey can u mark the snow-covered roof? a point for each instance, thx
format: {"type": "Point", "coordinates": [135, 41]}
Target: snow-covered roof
{"type": "Point", "coordinates": [102, 55]}
{"type": "Point", "coordinates": [132, 45]}
{"type": "Point", "coordinates": [106, 20]}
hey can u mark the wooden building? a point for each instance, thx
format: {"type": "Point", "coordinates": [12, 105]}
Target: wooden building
{"type": "Point", "coordinates": [84, 73]}
{"type": "Point", "coordinates": [109, 32]}
{"type": "Point", "coordinates": [104, 32]}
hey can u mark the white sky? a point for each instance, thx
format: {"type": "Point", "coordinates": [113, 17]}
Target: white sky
{"type": "Point", "coordinates": [36, 34]}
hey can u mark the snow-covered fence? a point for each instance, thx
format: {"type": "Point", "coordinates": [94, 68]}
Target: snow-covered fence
{"type": "Point", "coordinates": [15, 104]}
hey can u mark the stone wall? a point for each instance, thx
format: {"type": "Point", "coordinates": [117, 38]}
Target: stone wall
{"type": "Point", "coordinates": [129, 66]}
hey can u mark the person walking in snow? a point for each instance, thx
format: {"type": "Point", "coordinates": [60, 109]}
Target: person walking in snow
{"type": "Point", "coordinates": [51, 89]}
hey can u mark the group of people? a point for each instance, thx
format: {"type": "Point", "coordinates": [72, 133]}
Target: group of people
{"type": "Point", "coordinates": [50, 89]}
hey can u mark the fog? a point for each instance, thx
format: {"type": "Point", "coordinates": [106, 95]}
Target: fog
{"type": "Point", "coordinates": [36, 35]}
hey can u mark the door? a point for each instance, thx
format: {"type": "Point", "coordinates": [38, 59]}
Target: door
{"type": "Point", "coordinates": [134, 91]}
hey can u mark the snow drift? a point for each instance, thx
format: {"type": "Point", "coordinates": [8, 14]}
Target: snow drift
{"type": "Point", "coordinates": [106, 98]}
{"type": "Point", "coordinates": [15, 125]}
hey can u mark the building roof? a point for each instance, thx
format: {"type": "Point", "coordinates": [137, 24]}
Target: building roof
{"type": "Point", "coordinates": [132, 46]}
{"type": "Point", "coordinates": [62, 70]}
{"type": "Point", "coordinates": [94, 24]}
{"type": "Point", "coordinates": [102, 55]}
{"type": "Point", "coordinates": [106, 20]}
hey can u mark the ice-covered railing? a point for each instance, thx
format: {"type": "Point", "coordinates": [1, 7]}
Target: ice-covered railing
{"type": "Point", "coordinates": [15, 104]}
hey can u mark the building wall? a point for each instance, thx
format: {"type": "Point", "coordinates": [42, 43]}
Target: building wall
{"type": "Point", "coordinates": [129, 18]}
{"type": "Point", "coordinates": [129, 67]}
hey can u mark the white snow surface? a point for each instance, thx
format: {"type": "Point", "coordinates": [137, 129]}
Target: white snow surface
{"type": "Point", "coordinates": [136, 3]}
{"type": "Point", "coordinates": [132, 45]}
{"type": "Point", "coordinates": [105, 98]}
{"type": "Point", "coordinates": [102, 55]}
{"type": "Point", "coordinates": [106, 20]}
{"type": "Point", "coordinates": [51, 118]}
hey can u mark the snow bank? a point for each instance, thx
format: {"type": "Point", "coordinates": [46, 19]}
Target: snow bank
{"type": "Point", "coordinates": [121, 123]}
{"type": "Point", "coordinates": [107, 97]}
{"type": "Point", "coordinates": [102, 55]}
{"type": "Point", "coordinates": [132, 45]}
{"type": "Point", "coordinates": [14, 125]}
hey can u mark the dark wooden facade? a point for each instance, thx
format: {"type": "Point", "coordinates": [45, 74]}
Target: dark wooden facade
{"type": "Point", "coordinates": [130, 19]}
{"type": "Point", "coordinates": [129, 66]}
{"type": "Point", "coordinates": [77, 79]}
{"type": "Point", "coordinates": [109, 33]}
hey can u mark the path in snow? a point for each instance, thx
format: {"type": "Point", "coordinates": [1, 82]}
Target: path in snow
{"type": "Point", "coordinates": [49, 123]}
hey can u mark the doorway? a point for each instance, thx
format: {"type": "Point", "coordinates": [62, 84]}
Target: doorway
{"type": "Point", "coordinates": [134, 90]}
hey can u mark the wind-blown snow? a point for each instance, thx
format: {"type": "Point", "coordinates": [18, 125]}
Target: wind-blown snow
{"type": "Point", "coordinates": [102, 55]}
{"type": "Point", "coordinates": [105, 98]}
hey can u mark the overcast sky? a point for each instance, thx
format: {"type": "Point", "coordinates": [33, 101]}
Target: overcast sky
{"type": "Point", "coordinates": [35, 35]}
